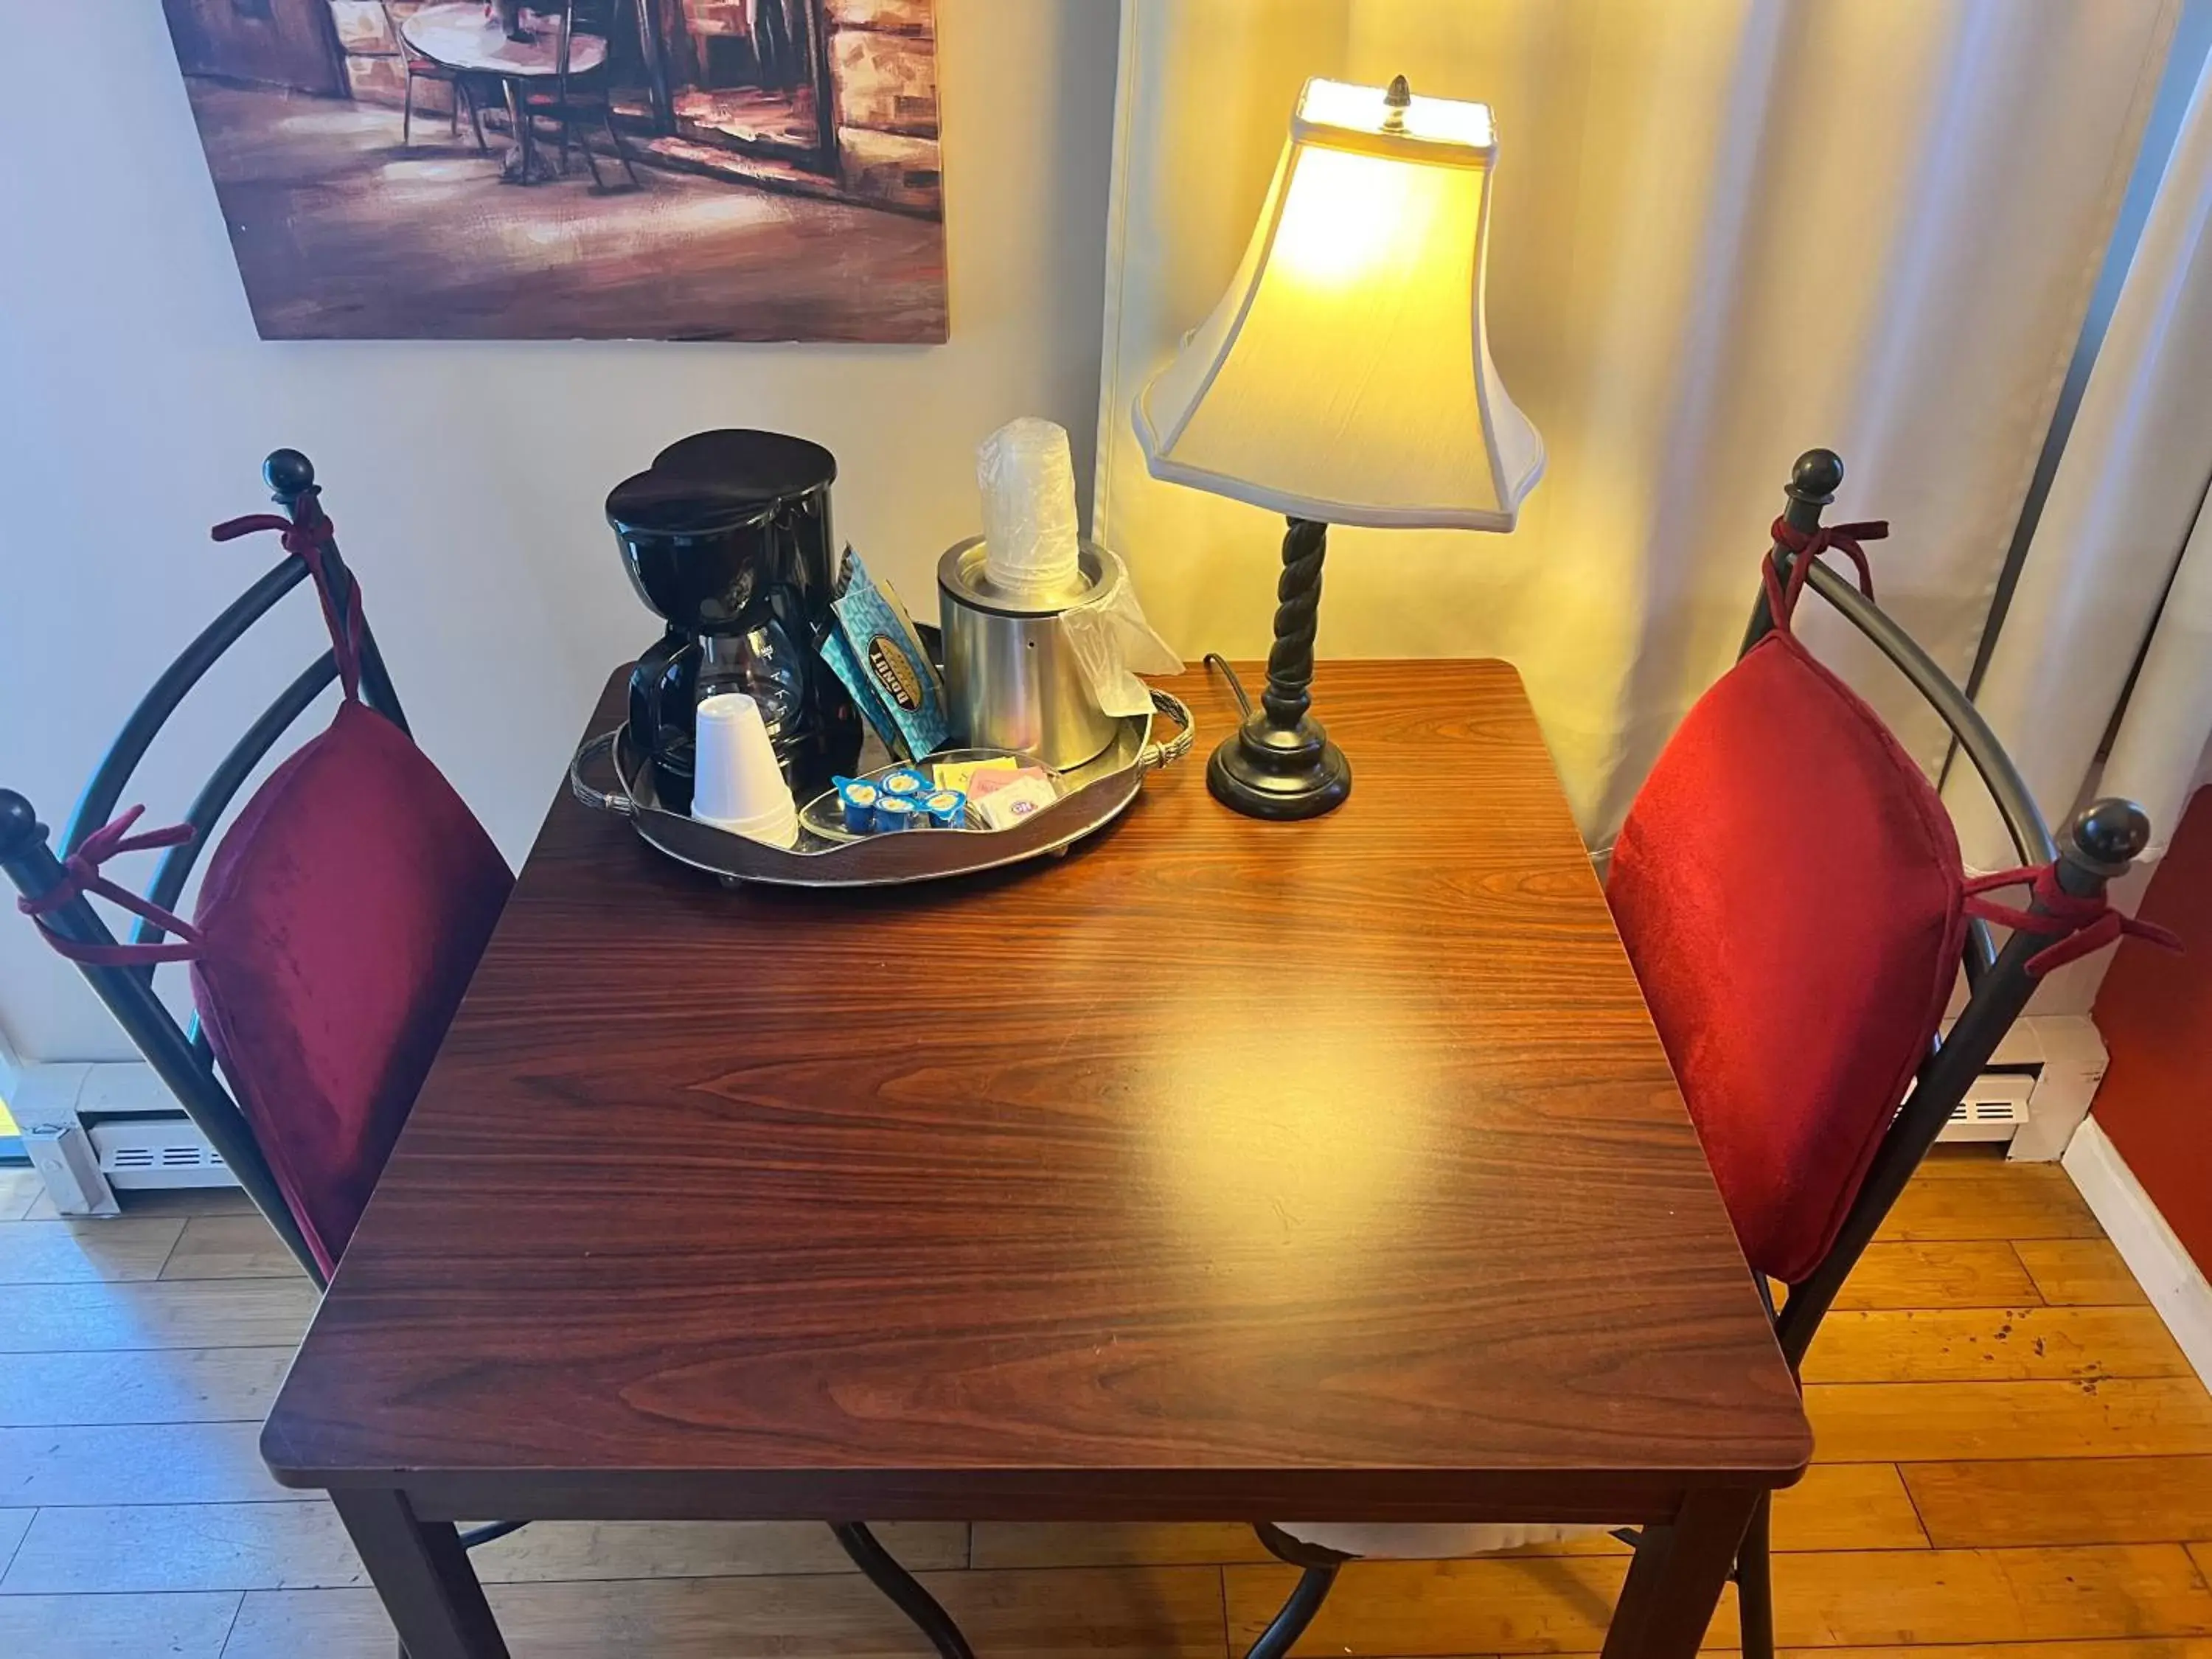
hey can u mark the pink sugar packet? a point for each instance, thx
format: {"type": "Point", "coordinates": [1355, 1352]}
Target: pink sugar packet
{"type": "Point", "coordinates": [988, 783]}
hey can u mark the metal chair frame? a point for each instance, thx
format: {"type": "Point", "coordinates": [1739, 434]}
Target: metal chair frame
{"type": "Point", "coordinates": [2099, 844]}
{"type": "Point", "coordinates": [565, 106]}
{"type": "Point", "coordinates": [180, 1054]}
{"type": "Point", "coordinates": [417, 67]}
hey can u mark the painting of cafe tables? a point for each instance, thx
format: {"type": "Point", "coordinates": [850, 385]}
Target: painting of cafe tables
{"type": "Point", "coordinates": [575, 169]}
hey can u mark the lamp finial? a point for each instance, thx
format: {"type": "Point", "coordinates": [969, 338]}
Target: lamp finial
{"type": "Point", "coordinates": [1396, 101]}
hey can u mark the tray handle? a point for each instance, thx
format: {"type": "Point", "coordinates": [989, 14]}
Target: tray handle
{"type": "Point", "coordinates": [1153, 756]}
{"type": "Point", "coordinates": [600, 800]}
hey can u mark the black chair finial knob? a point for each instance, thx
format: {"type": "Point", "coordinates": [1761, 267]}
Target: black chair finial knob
{"type": "Point", "coordinates": [1817, 476]}
{"type": "Point", "coordinates": [2110, 834]}
{"type": "Point", "coordinates": [289, 474]}
{"type": "Point", "coordinates": [20, 828]}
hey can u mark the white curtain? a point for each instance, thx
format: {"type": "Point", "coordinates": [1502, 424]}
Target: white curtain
{"type": "Point", "coordinates": [1724, 231]}
{"type": "Point", "coordinates": [2121, 561]}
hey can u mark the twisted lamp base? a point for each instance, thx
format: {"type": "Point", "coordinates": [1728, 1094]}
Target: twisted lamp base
{"type": "Point", "coordinates": [1280, 763]}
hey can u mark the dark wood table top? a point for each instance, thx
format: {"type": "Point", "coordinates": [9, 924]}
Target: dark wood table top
{"type": "Point", "coordinates": [1330, 1171]}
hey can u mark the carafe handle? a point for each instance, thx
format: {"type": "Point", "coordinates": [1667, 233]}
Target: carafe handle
{"type": "Point", "coordinates": [649, 682]}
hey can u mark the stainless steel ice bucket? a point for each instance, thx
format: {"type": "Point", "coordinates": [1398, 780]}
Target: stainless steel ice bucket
{"type": "Point", "coordinates": [1010, 679]}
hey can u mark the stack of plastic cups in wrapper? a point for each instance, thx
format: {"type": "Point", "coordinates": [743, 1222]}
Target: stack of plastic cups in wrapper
{"type": "Point", "coordinates": [1029, 535]}
{"type": "Point", "coordinates": [1031, 557]}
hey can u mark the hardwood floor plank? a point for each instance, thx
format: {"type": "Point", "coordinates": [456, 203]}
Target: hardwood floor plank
{"type": "Point", "coordinates": [1537, 1604]}
{"type": "Point", "coordinates": [1115, 1543]}
{"type": "Point", "coordinates": [187, 1201]}
{"type": "Point", "coordinates": [166, 1385]}
{"type": "Point", "coordinates": [585, 1550]}
{"type": "Point", "coordinates": [117, 1627]}
{"type": "Point", "coordinates": [81, 1251]}
{"type": "Point", "coordinates": [2143, 1646]}
{"type": "Point", "coordinates": [2079, 1272]}
{"type": "Point", "coordinates": [1169, 1612]}
{"type": "Point", "coordinates": [109, 1550]}
{"type": "Point", "coordinates": [2006, 1201]}
{"type": "Point", "coordinates": [1847, 1506]}
{"type": "Point", "coordinates": [1982, 1272]}
{"type": "Point", "coordinates": [328, 1624]}
{"type": "Point", "coordinates": [230, 1246]}
{"type": "Point", "coordinates": [1822, 1600]}
{"type": "Point", "coordinates": [160, 1201]}
{"type": "Point", "coordinates": [1943, 1422]}
{"type": "Point", "coordinates": [1835, 1506]}
{"type": "Point", "coordinates": [121, 1550]}
{"type": "Point", "coordinates": [2008, 1595]}
{"type": "Point", "coordinates": [20, 1188]}
{"type": "Point", "coordinates": [1965, 1345]}
{"type": "Point", "coordinates": [2122, 1647]}
{"type": "Point", "coordinates": [1982, 1161]}
{"type": "Point", "coordinates": [192, 1313]}
{"type": "Point", "coordinates": [2126, 1647]}
{"type": "Point", "coordinates": [2057, 1500]}
{"type": "Point", "coordinates": [162, 1463]}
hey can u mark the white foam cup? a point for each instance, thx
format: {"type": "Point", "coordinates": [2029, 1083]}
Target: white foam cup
{"type": "Point", "coordinates": [736, 784]}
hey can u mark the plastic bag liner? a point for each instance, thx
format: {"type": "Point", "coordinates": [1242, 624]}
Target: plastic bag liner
{"type": "Point", "coordinates": [1112, 644]}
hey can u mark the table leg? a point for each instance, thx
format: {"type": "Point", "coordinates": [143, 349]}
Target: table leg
{"type": "Point", "coordinates": [656, 66]}
{"type": "Point", "coordinates": [1677, 1577]}
{"type": "Point", "coordinates": [520, 166]}
{"type": "Point", "coordinates": [422, 1574]}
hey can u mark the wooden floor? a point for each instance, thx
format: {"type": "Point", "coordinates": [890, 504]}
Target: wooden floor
{"type": "Point", "coordinates": [2014, 1459]}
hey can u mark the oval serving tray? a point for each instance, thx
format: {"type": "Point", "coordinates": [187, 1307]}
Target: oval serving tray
{"type": "Point", "coordinates": [1092, 795]}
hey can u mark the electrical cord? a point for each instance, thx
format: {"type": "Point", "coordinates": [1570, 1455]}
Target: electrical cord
{"type": "Point", "coordinates": [1220, 664]}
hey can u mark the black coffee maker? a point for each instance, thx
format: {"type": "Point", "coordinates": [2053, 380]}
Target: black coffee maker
{"type": "Point", "coordinates": [727, 536]}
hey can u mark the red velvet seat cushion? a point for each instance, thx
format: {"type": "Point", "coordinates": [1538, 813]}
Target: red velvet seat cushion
{"type": "Point", "coordinates": [342, 916]}
{"type": "Point", "coordinates": [1788, 888]}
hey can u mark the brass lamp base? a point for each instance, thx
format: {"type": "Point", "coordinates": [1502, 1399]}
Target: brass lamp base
{"type": "Point", "coordinates": [1280, 763]}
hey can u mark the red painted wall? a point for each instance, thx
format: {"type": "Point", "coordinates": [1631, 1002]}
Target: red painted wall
{"type": "Point", "coordinates": [2155, 1011]}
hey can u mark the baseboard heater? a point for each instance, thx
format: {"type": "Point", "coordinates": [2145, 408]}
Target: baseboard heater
{"type": "Point", "coordinates": [2035, 1090]}
{"type": "Point", "coordinates": [1995, 1104]}
{"type": "Point", "coordinates": [93, 1130]}
{"type": "Point", "coordinates": [157, 1152]}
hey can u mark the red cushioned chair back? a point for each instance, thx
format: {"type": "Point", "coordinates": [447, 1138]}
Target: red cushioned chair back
{"type": "Point", "coordinates": [339, 923]}
{"type": "Point", "coordinates": [1789, 890]}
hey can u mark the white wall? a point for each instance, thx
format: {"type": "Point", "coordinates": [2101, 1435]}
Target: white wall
{"type": "Point", "coordinates": [466, 481]}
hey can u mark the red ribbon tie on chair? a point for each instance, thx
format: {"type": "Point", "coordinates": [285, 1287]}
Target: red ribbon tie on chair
{"type": "Point", "coordinates": [81, 875]}
{"type": "Point", "coordinates": [2080, 925]}
{"type": "Point", "coordinates": [1809, 545]}
{"type": "Point", "coordinates": [305, 541]}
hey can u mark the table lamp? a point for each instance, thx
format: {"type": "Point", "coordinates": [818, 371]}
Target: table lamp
{"type": "Point", "coordinates": [1345, 378]}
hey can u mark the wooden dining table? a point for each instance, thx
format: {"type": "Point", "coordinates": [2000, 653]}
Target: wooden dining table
{"type": "Point", "coordinates": [1218, 1170]}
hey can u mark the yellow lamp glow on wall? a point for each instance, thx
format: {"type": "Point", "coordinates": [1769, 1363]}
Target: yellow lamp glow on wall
{"type": "Point", "coordinates": [1345, 378]}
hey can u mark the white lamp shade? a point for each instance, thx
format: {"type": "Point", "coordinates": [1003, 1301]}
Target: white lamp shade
{"type": "Point", "coordinates": [1345, 376]}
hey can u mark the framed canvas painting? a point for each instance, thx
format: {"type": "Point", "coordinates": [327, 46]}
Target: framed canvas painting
{"type": "Point", "coordinates": [575, 169]}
